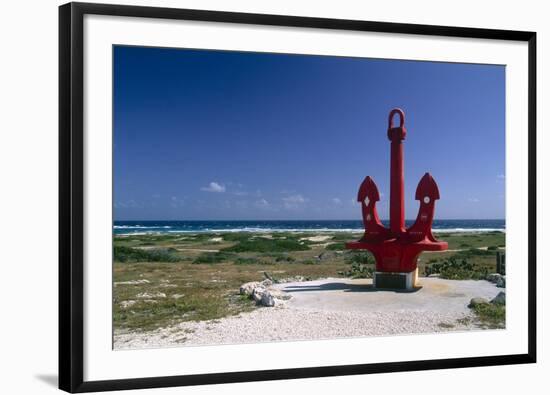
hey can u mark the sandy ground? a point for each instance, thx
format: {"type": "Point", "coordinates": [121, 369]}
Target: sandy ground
{"type": "Point", "coordinates": [331, 308]}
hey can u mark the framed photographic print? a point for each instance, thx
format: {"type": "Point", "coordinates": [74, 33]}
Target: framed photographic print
{"type": "Point", "coordinates": [239, 188]}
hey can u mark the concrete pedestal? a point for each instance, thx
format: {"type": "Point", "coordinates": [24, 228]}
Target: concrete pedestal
{"type": "Point", "coordinates": [396, 280]}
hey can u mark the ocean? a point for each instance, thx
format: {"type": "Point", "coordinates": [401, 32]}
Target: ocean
{"type": "Point", "coordinates": [147, 227]}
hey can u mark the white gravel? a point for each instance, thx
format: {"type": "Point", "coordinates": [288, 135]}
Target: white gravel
{"type": "Point", "coordinates": [330, 308]}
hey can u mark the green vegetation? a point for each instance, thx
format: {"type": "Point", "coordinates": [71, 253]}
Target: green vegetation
{"type": "Point", "coordinates": [454, 269]}
{"type": "Point", "coordinates": [261, 244]}
{"type": "Point", "coordinates": [164, 279]}
{"type": "Point", "coordinates": [128, 254]}
{"type": "Point", "coordinates": [336, 247]}
{"type": "Point", "coordinates": [354, 256]}
{"type": "Point", "coordinates": [281, 257]}
{"type": "Point", "coordinates": [213, 257]}
{"type": "Point", "coordinates": [472, 240]}
{"type": "Point", "coordinates": [359, 270]}
{"type": "Point", "coordinates": [491, 315]}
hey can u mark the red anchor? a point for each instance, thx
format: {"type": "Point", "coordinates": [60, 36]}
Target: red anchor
{"type": "Point", "coordinates": [396, 249]}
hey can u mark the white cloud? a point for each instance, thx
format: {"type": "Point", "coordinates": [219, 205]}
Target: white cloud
{"type": "Point", "coordinates": [293, 201]}
{"type": "Point", "coordinates": [214, 187]}
{"type": "Point", "coordinates": [129, 204]}
{"type": "Point", "coordinates": [262, 203]}
{"type": "Point", "coordinates": [501, 176]}
{"type": "Point", "coordinates": [336, 201]}
{"type": "Point", "coordinates": [473, 200]}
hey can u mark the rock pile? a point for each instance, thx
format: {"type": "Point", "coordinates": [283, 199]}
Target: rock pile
{"type": "Point", "coordinates": [497, 279]}
{"type": "Point", "coordinates": [263, 294]}
{"type": "Point", "coordinates": [499, 299]}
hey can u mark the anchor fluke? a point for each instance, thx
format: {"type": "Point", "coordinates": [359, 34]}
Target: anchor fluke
{"type": "Point", "coordinates": [368, 189]}
{"type": "Point", "coordinates": [427, 187]}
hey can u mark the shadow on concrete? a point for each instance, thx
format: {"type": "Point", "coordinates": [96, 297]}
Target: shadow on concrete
{"type": "Point", "coordinates": [50, 379]}
{"type": "Point", "coordinates": [345, 287]}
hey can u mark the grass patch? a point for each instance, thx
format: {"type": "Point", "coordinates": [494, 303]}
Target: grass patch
{"type": "Point", "coordinates": [474, 252]}
{"type": "Point", "coordinates": [336, 246]}
{"type": "Point", "coordinates": [280, 257]}
{"type": "Point", "coordinates": [129, 254]}
{"type": "Point", "coordinates": [248, 261]}
{"type": "Point", "coordinates": [454, 269]}
{"type": "Point", "coordinates": [344, 236]}
{"type": "Point", "coordinates": [268, 245]}
{"type": "Point", "coordinates": [359, 257]}
{"type": "Point", "coordinates": [491, 315]}
{"type": "Point", "coordinates": [213, 257]}
{"type": "Point", "coordinates": [237, 236]}
{"type": "Point", "coordinates": [359, 270]}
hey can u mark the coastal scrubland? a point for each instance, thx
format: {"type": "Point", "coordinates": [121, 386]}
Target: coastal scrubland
{"type": "Point", "coordinates": [163, 279]}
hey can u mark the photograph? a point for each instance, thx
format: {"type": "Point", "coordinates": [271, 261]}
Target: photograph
{"type": "Point", "coordinates": [269, 197]}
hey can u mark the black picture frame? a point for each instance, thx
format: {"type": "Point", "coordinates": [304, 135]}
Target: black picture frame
{"type": "Point", "coordinates": [71, 204]}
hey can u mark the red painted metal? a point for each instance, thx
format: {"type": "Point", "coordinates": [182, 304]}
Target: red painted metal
{"type": "Point", "coordinates": [397, 249]}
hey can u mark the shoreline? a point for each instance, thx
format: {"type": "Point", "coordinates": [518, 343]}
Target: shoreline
{"type": "Point", "coordinates": [304, 230]}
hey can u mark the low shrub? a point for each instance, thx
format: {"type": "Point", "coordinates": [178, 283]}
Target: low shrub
{"type": "Point", "coordinates": [268, 245]}
{"type": "Point", "coordinates": [246, 261]}
{"type": "Point", "coordinates": [213, 257]}
{"type": "Point", "coordinates": [336, 247]}
{"type": "Point", "coordinates": [490, 314]}
{"type": "Point", "coordinates": [131, 255]}
{"type": "Point", "coordinates": [281, 257]}
{"type": "Point", "coordinates": [359, 257]}
{"type": "Point", "coordinates": [359, 270]}
{"type": "Point", "coordinates": [454, 269]}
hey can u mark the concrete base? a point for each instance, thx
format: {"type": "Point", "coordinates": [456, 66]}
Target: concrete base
{"type": "Point", "coordinates": [395, 280]}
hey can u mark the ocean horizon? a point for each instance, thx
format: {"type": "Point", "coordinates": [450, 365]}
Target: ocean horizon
{"type": "Point", "coordinates": [220, 226]}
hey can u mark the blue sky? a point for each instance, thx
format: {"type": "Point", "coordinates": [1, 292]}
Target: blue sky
{"type": "Point", "coordinates": [230, 135]}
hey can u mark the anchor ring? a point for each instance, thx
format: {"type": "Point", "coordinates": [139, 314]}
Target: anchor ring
{"type": "Point", "coordinates": [401, 118]}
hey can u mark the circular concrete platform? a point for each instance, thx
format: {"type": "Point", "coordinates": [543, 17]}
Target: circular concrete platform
{"type": "Point", "coordinates": [433, 294]}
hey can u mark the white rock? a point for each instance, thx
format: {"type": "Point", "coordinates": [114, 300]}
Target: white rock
{"type": "Point", "coordinates": [477, 301]}
{"type": "Point", "coordinates": [493, 277]}
{"type": "Point", "coordinates": [127, 303]}
{"type": "Point", "coordinates": [258, 293]}
{"type": "Point", "coordinates": [154, 295]}
{"type": "Point", "coordinates": [267, 299]}
{"type": "Point", "coordinates": [281, 295]}
{"type": "Point", "coordinates": [267, 282]}
{"type": "Point", "coordinates": [248, 288]}
{"type": "Point", "coordinates": [132, 282]}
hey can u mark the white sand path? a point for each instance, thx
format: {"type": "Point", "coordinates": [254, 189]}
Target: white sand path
{"type": "Point", "coordinates": [332, 308]}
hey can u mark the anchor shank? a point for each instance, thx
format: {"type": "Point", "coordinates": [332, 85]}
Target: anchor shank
{"type": "Point", "coordinates": [397, 186]}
